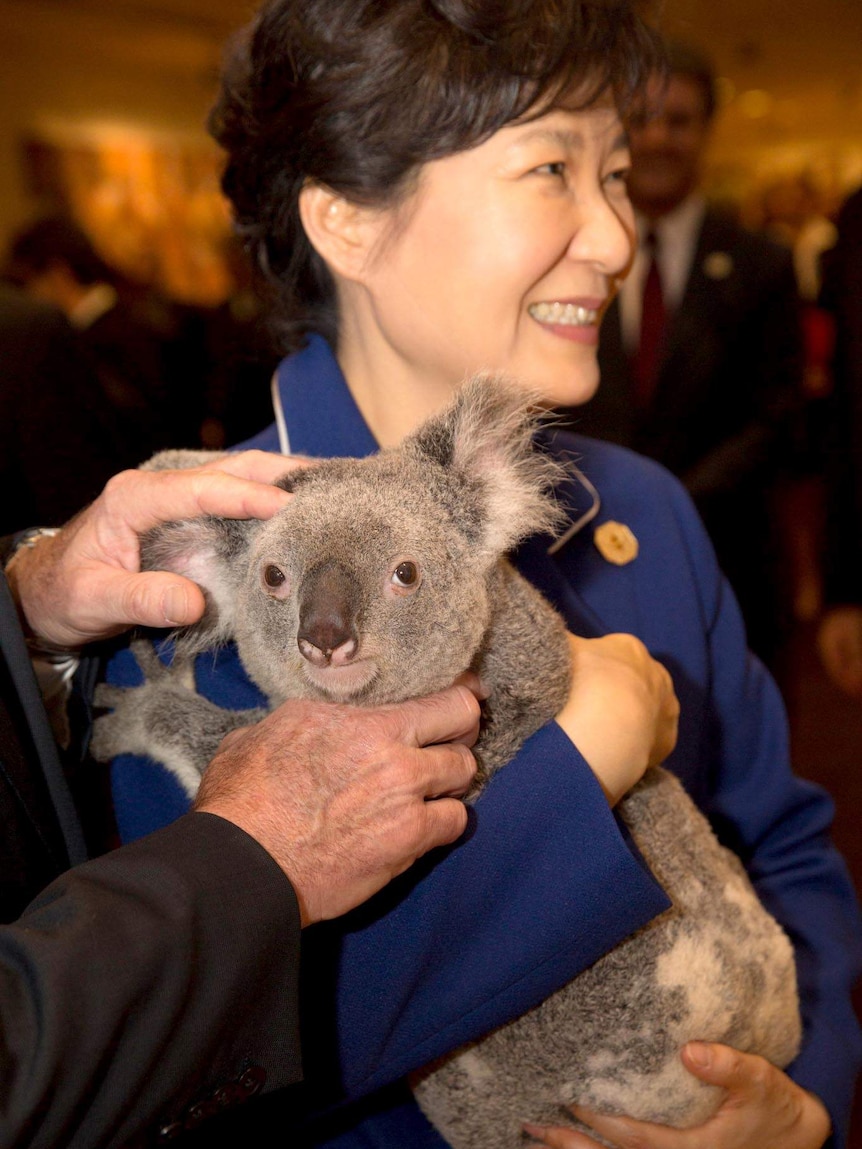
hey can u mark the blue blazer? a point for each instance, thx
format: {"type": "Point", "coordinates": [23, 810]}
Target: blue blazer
{"type": "Point", "coordinates": [546, 879]}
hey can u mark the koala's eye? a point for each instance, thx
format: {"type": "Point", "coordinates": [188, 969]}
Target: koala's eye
{"type": "Point", "coordinates": [273, 576]}
{"type": "Point", "coordinates": [406, 575]}
{"type": "Point", "coordinates": [274, 581]}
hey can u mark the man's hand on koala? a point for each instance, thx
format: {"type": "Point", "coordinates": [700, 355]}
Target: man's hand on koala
{"type": "Point", "coordinates": [86, 583]}
{"type": "Point", "coordinates": [346, 798]}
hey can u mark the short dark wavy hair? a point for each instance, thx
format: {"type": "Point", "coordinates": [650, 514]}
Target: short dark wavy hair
{"type": "Point", "coordinates": [358, 94]}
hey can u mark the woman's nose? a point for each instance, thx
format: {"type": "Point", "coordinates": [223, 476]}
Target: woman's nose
{"type": "Point", "coordinates": [606, 235]}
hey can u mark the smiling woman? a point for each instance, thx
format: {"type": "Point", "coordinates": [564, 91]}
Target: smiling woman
{"type": "Point", "coordinates": [529, 231]}
{"type": "Point", "coordinates": [437, 188]}
{"type": "Point", "coordinates": [421, 81]}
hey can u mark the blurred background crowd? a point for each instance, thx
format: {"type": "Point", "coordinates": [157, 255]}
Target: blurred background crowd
{"type": "Point", "coordinates": [130, 322]}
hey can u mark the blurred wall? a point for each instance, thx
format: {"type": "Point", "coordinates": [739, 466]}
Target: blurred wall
{"type": "Point", "coordinates": [78, 70]}
{"type": "Point", "coordinates": [70, 70]}
{"type": "Point", "coordinates": [790, 77]}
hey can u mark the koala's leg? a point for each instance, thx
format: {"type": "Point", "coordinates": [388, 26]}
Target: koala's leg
{"type": "Point", "coordinates": [164, 719]}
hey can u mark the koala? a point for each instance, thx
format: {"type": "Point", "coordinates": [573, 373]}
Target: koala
{"type": "Point", "coordinates": [384, 578]}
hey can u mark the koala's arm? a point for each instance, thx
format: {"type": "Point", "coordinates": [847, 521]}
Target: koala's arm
{"type": "Point", "coordinates": [525, 661]}
{"type": "Point", "coordinates": [164, 719]}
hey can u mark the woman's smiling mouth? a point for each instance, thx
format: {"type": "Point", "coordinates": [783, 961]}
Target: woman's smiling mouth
{"type": "Point", "coordinates": [564, 314]}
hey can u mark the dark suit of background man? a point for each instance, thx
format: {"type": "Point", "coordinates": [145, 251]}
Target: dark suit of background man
{"type": "Point", "coordinates": [841, 628]}
{"type": "Point", "coordinates": [141, 349]}
{"type": "Point", "coordinates": [56, 444]}
{"type": "Point", "coordinates": [701, 355]}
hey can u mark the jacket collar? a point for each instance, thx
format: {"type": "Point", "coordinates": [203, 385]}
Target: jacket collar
{"type": "Point", "coordinates": [316, 415]}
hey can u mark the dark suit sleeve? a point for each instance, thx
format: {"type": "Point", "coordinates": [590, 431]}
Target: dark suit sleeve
{"type": "Point", "coordinates": [148, 988]}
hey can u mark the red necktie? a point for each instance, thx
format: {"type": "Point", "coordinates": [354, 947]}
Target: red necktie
{"type": "Point", "coordinates": [653, 319]}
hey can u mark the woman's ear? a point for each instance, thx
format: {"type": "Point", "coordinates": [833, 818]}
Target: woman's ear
{"type": "Point", "coordinates": [342, 233]}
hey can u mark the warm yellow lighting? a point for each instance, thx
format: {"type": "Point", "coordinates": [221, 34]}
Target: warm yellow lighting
{"type": "Point", "coordinates": [149, 200]}
{"type": "Point", "coordinates": [755, 103]}
{"type": "Point", "coordinates": [725, 91]}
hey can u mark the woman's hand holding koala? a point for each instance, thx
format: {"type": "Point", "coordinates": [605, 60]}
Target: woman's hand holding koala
{"type": "Point", "coordinates": [622, 713]}
{"type": "Point", "coordinates": [764, 1109]}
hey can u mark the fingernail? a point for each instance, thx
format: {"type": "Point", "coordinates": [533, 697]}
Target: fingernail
{"type": "Point", "coordinates": [175, 605]}
{"type": "Point", "coordinates": [699, 1054]}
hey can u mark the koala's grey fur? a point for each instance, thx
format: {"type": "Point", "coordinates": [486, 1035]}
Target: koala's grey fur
{"type": "Point", "coordinates": [453, 498]}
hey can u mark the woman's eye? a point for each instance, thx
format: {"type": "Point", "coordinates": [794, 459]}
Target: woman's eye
{"type": "Point", "coordinates": [556, 168]}
{"type": "Point", "coordinates": [273, 576]}
{"type": "Point", "coordinates": [619, 176]}
{"type": "Point", "coordinates": [406, 575]}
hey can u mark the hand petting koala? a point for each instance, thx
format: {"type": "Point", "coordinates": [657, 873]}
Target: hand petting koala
{"type": "Point", "coordinates": [385, 578]}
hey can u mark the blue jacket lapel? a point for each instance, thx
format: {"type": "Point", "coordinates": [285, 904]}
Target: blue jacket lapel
{"type": "Point", "coordinates": [320, 414]}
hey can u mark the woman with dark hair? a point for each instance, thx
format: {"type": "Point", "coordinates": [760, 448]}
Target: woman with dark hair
{"type": "Point", "coordinates": [436, 187]}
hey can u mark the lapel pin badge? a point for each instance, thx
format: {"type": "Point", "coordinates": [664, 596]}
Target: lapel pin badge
{"type": "Point", "coordinates": [616, 543]}
{"type": "Point", "coordinates": [718, 265]}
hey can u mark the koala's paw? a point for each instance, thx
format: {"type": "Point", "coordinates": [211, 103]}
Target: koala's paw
{"type": "Point", "coordinates": [163, 719]}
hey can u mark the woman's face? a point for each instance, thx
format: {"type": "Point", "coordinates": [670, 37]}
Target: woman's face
{"type": "Point", "coordinates": [505, 258]}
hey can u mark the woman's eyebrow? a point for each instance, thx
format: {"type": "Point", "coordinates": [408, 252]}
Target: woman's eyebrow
{"type": "Point", "coordinates": [562, 137]}
{"type": "Point", "coordinates": [566, 138]}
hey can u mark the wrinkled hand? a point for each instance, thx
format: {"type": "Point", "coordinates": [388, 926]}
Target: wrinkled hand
{"type": "Point", "coordinates": [764, 1109]}
{"type": "Point", "coordinates": [345, 798]}
{"type": "Point", "coordinates": [839, 640]}
{"type": "Point", "coordinates": [622, 713]}
{"type": "Point", "coordinates": [85, 583]}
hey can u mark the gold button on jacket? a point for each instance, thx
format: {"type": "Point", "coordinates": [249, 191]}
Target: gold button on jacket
{"type": "Point", "coordinates": [616, 543]}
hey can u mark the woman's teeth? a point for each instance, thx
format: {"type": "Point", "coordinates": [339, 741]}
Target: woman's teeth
{"type": "Point", "coordinates": [566, 314]}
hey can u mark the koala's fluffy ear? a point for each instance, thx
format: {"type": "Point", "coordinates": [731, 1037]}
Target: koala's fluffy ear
{"type": "Point", "coordinates": [485, 437]}
{"type": "Point", "coordinates": [208, 551]}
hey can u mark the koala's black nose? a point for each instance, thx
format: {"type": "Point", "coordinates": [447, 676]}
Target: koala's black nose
{"type": "Point", "coordinates": [327, 616]}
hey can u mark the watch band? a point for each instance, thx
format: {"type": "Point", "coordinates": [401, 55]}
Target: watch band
{"type": "Point", "coordinates": [61, 657]}
{"type": "Point", "coordinates": [29, 538]}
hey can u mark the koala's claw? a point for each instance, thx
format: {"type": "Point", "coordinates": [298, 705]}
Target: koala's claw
{"type": "Point", "coordinates": [151, 719]}
{"type": "Point", "coordinates": [180, 670]}
{"type": "Point", "coordinates": [178, 673]}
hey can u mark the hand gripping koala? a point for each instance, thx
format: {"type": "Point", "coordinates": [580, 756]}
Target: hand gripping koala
{"type": "Point", "coordinates": [385, 578]}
